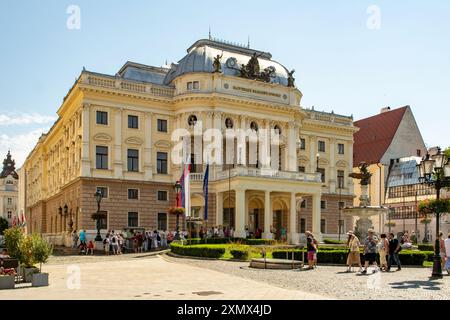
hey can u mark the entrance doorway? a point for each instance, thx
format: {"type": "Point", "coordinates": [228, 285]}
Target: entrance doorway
{"type": "Point", "coordinates": [277, 223]}
{"type": "Point", "coordinates": [228, 217]}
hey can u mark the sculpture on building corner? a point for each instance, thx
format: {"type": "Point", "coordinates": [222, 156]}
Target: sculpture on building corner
{"type": "Point", "coordinates": [217, 65]}
{"type": "Point", "coordinates": [291, 79]}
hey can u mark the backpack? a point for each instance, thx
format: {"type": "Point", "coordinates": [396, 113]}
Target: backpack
{"type": "Point", "coordinates": [114, 240]}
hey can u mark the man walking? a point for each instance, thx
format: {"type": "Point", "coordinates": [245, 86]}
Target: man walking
{"type": "Point", "coordinates": [370, 252]}
{"type": "Point", "coordinates": [394, 249]}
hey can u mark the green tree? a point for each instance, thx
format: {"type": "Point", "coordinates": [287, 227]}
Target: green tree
{"type": "Point", "coordinates": [447, 152]}
{"type": "Point", "coordinates": [42, 250]}
{"type": "Point", "coordinates": [3, 225]}
{"type": "Point", "coordinates": [13, 239]}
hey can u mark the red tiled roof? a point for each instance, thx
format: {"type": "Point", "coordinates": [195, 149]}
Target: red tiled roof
{"type": "Point", "coordinates": [375, 136]}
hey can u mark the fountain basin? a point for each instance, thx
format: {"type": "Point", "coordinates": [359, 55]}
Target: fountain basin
{"type": "Point", "coordinates": [365, 212]}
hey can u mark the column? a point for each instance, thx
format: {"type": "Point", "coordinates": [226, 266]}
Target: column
{"type": "Point", "coordinates": [219, 208]}
{"type": "Point", "coordinates": [264, 146]}
{"type": "Point", "coordinates": [316, 216]}
{"type": "Point", "coordinates": [239, 231]}
{"type": "Point", "coordinates": [217, 124]}
{"type": "Point", "coordinates": [246, 210]}
{"type": "Point", "coordinates": [268, 216]}
{"type": "Point", "coordinates": [242, 141]}
{"type": "Point", "coordinates": [148, 140]}
{"type": "Point", "coordinates": [292, 147]}
{"type": "Point", "coordinates": [312, 154]}
{"type": "Point", "coordinates": [294, 236]}
{"type": "Point", "coordinates": [117, 155]}
{"type": "Point", "coordinates": [332, 175]}
{"type": "Point", "coordinates": [85, 152]}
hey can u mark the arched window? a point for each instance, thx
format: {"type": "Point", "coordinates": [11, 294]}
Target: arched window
{"type": "Point", "coordinates": [277, 129]}
{"type": "Point", "coordinates": [192, 120]}
{"type": "Point", "coordinates": [229, 123]}
{"type": "Point", "coordinates": [254, 126]}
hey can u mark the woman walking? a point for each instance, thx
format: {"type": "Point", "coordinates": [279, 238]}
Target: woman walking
{"type": "Point", "coordinates": [354, 256]}
{"type": "Point", "coordinates": [383, 250]}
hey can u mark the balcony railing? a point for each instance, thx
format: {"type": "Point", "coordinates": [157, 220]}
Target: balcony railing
{"type": "Point", "coordinates": [268, 173]}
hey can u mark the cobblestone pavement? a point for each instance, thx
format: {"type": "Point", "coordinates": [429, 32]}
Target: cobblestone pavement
{"type": "Point", "coordinates": [140, 276]}
{"type": "Point", "coordinates": [334, 282]}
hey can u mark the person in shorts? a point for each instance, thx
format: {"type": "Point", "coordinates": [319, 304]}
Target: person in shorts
{"type": "Point", "coordinates": [370, 251]}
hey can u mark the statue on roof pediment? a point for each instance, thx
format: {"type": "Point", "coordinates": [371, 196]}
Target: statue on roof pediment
{"type": "Point", "coordinates": [217, 65]}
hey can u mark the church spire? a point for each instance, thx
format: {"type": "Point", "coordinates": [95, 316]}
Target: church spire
{"type": "Point", "coordinates": [9, 166]}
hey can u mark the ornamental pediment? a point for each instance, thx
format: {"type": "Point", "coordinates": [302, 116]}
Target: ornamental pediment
{"type": "Point", "coordinates": [342, 164]}
{"type": "Point", "coordinates": [303, 159]}
{"type": "Point", "coordinates": [162, 144]}
{"type": "Point", "coordinates": [134, 140]}
{"type": "Point", "coordinates": [102, 137]}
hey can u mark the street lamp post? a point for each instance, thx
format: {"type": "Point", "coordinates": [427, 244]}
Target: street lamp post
{"type": "Point", "coordinates": [177, 188]}
{"type": "Point", "coordinates": [340, 185]}
{"type": "Point", "coordinates": [98, 197]}
{"type": "Point", "coordinates": [435, 171]}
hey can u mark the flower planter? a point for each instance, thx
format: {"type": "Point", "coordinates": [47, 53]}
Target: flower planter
{"type": "Point", "coordinates": [39, 280]}
{"type": "Point", "coordinates": [7, 282]}
{"type": "Point", "coordinates": [27, 274]}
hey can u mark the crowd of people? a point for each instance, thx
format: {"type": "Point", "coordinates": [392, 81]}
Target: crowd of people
{"type": "Point", "coordinates": [387, 246]}
{"type": "Point", "coordinates": [117, 243]}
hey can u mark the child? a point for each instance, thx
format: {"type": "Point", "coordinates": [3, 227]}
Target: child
{"type": "Point", "coordinates": [90, 247]}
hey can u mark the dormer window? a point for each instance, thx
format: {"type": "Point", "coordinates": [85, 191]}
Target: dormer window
{"type": "Point", "coordinates": [192, 120]}
{"type": "Point", "coordinates": [193, 85]}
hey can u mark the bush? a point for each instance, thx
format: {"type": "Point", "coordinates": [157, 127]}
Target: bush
{"type": "Point", "coordinates": [412, 258]}
{"type": "Point", "coordinates": [331, 241]}
{"type": "Point", "coordinates": [425, 247]}
{"type": "Point", "coordinates": [198, 250]}
{"type": "Point", "coordinates": [251, 242]}
{"type": "Point", "coordinates": [26, 252]}
{"type": "Point", "coordinates": [13, 238]}
{"type": "Point", "coordinates": [3, 225]}
{"type": "Point", "coordinates": [240, 254]}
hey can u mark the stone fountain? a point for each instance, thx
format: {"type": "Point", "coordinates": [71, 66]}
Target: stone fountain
{"type": "Point", "coordinates": [364, 211]}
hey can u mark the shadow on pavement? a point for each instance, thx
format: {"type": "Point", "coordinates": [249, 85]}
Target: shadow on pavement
{"type": "Point", "coordinates": [426, 285]}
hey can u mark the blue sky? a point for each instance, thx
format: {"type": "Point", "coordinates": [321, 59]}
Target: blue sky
{"type": "Point", "coordinates": [341, 64]}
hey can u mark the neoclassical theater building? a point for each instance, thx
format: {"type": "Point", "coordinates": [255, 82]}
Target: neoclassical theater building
{"type": "Point", "coordinates": [114, 132]}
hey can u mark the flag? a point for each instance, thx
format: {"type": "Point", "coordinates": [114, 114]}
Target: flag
{"type": "Point", "coordinates": [14, 222]}
{"type": "Point", "coordinates": [205, 190]}
{"type": "Point", "coordinates": [23, 221]}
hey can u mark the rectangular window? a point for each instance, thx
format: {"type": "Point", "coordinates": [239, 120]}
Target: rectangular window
{"type": "Point", "coordinates": [321, 146]}
{"type": "Point", "coordinates": [196, 85]}
{"type": "Point", "coordinates": [323, 204]}
{"type": "Point", "coordinates": [323, 226]}
{"type": "Point", "coordinates": [341, 205]}
{"type": "Point", "coordinates": [162, 125]}
{"type": "Point", "coordinates": [302, 144]}
{"type": "Point", "coordinates": [162, 195]}
{"type": "Point", "coordinates": [189, 86]}
{"type": "Point", "coordinates": [161, 163]}
{"type": "Point", "coordinates": [133, 160]}
{"type": "Point", "coordinates": [302, 225]}
{"type": "Point", "coordinates": [9, 214]}
{"type": "Point", "coordinates": [340, 178]}
{"type": "Point", "coordinates": [322, 172]}
{"type": "Point", "coordinates": [303, 204]}
{"type": "Point", "coordinates": [162, 221]}
{"type": "Point", "coordinates": [341, 148]}
{"type": "Point", "coordinates": [102, 117]}
{"type": "Point", "coordinates": [133, 122]}
{"type": "Point", "coordinates": [101, 157]}
{"type": "Point", "coordinates": [133, 194]}
{"type": "Point", "coordinates": [301, 169]}
{"type": "Point", "coordinates": [133, 219]}
{"type": "Point", "coordinates": [103, 191]}
{"type": "Point", "coordinates": [9, 201]}
{"type": "Point", "coordinates": [419, 153]}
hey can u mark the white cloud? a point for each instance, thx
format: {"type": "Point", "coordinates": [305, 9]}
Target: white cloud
{"type": "Point", "coordinates": [19, 144]}
{"type": "Point", "coordinates": [24, 119]}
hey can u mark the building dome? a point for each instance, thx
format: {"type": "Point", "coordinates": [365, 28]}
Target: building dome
{"type": "Point", "coordinates": [201, 56]}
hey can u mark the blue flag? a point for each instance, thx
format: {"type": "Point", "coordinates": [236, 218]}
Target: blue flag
{"type": "Point", "coordinates": [205, 190]}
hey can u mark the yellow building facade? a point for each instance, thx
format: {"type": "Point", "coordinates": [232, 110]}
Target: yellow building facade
{"type": "Point", "coordinates": [114, 134]}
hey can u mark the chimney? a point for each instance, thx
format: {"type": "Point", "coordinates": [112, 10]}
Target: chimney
{"type": "Point", "coordinates": [385, 109]}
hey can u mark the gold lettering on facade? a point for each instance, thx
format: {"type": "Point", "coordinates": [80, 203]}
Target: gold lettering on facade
{"type": "Point", "coordinates": [266, 93]}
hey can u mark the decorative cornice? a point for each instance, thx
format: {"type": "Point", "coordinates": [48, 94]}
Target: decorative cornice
{"type": "Point", "coordinates": [134, 140]}
{"type": "Point", "coordinates": [102, 137]}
